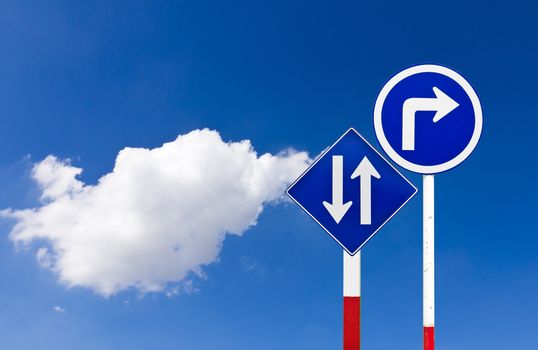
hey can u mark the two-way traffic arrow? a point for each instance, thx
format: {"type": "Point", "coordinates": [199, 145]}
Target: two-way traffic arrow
{"type": "Point", "coordinates": [338, 208]}
{"type": "Point", "coordinates": [365, 170]}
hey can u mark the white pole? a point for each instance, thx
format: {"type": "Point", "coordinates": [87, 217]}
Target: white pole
{"type": "Point", "coordinates": [428, 262]}
{"type": "Point", "coordinates": [352, 301]}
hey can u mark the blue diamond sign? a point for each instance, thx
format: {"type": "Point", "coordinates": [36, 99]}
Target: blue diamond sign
{"type": "Point", "coordinates": [351, 191]}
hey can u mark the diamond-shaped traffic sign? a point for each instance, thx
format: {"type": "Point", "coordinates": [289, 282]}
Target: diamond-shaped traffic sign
{"type": "Point", "coordinates": [351, 191]}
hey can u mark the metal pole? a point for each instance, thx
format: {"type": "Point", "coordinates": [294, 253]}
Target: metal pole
{"type": "Point", "coordinates": [428, 262]}
{"type": "Point", "coordinates": [352, 301]}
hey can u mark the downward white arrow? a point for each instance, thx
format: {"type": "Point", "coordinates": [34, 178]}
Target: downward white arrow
{"type": "Point", "coordinates": [366, 170]}
{"type": "Point", "coordinates": [338, 208]}
{"type": "Point", "coordinates": [442, 104]}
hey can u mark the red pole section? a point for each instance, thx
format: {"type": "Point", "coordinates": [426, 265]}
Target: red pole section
{"type": "Point", "coordinates": [352, 301]}
{"type": "Point", "coordinates": [429, 337]}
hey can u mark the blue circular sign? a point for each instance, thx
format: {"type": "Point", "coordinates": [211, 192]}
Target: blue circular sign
{"type": "Point", "coordinates": [428, 119]}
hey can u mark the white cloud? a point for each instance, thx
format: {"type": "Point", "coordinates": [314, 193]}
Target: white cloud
{"type": "Point", "coordinates": [160, 215]}
{"type": "Point", "coordinates": [58, 309]}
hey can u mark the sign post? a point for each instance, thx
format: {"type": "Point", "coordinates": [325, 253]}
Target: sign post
{"type": "Point", "coordinates": [351, 191]}
{"type": "Point", "coordinates": [352, 301]}
{"type": "Point", "coordinates": [428, 262]}
{"type": "Point", "coordinates": [428, 119]}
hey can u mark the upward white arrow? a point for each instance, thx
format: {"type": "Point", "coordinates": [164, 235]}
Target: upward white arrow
{"type": "Point", "coordinates": [442, 104]}
{"type": "Point", "coordinates": [366, 171]}
{"type": "Point", "coordinates": [338, 208]}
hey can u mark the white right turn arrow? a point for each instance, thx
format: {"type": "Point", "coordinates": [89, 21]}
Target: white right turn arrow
{"type": "Point", "coordinates": [442, 104]}
{"type": "Point", "coordinates": [366, 171]}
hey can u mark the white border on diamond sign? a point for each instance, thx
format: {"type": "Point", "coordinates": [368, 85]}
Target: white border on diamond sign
{"type": "Point", "coordinates": [321, 156]}
{"type": "Point", "coordinates": [378, 125]}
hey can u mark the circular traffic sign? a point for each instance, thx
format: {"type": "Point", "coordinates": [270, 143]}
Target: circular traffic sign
{"type": "Point", "coordinates": [428, 119]}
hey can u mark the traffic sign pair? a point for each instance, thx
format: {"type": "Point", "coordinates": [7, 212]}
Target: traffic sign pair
{"type": "Point", "coordinates": [427, 119]}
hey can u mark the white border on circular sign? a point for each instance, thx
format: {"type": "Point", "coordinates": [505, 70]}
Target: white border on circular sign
{"type": "Point", "coordinates": [378, 125]}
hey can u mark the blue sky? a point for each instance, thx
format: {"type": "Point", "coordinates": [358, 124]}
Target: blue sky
{"type": "Point", "coordinates": [84, 80]}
